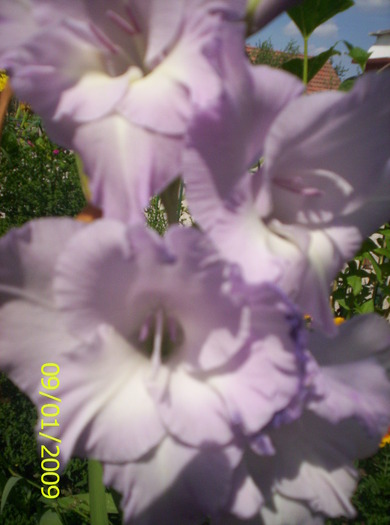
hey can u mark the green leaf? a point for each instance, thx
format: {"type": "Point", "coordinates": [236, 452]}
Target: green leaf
{"type": "Point", "coordinates": [50, 518]}
{"type": "Point", "coordinates": [366, 307]}
{"type": "Point", "coordinates": [310, 14]}
{"type": "Point", "coordinates": [9, 142]}
{"type": "Point", "coordinates": [3, 477]}
{"type": "Point", "coordinates": [361, 272]}
{"type": "Point", "coordinates": [115, 502]}
{"type": "Point", "coordinates": [368, 246]}
{"type": "Point", "coordinates": [355, 283]}
{"type": "Point", "coordinates": [7, 489]}
{"type": "Point", "coordinates": [377, 269]}
{"type": "Point", "coordinates": [343, 304]}
{"type": "Point", "coordinates": [339, 294]}
{"type": "Point", "coordinates": [81, 501]}
{"type": "Point", "coordinates": [358, 55]}
{"type": "Point", "coordinates": [386, 268]}
{"type": "Point", "coordinates": [347, 84]}
{"type": "Point", "coordinates": [382, 251]}
{"type": "Point", "coordinates": [40, 142]}
{"type": "Point", "coordinates": [295, 65]}
{"type": "Point", "coordinates": [385, 231]}
{"type": "Point", "coordinates": [78, 503]}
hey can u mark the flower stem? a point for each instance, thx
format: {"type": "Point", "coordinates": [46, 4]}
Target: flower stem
{"type": "Point", "coordinates": [251, 7]}
{"type": "Point", "coordinates": [97, 493]}
{"type": "Point", "coordinates": [83, 178]}
{"type": "Point", "coordinates": [157, 343]}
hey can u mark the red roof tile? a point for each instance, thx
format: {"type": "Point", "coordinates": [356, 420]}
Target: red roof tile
{"type": "Point", "coordinates": [324, 80]}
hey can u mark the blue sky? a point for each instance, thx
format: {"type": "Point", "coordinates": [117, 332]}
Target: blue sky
{"type": "Point", "coordinates": [353, 25]}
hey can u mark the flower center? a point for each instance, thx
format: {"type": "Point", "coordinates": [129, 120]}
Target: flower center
{"type": "Point", "coordinates": [160, 336]}
{"type": "Point", "coordinates": [136, 45]}
{"type": "Point", "coordinates": [128, 45]}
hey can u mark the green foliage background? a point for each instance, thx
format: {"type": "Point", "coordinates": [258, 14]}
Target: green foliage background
{"type": "Point", "coordinates": [37, 178]}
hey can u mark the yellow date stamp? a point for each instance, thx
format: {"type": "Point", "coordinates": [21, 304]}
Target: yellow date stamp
{"type": "Point", "coordinates": [50, 412]}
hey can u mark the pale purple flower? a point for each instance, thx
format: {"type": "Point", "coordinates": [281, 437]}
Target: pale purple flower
{"type": "Point", "coordinates": [118, 80]}
{"type": "Point", "coordinates": [307, 473]}
{"type": "Point", "coordinates": [323, 186]}
{"type": "Point", "coordinates": [168, 361]}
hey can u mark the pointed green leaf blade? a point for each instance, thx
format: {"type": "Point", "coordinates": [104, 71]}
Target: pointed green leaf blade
{"type": "Point", "coordinates": [7, 489]}
{"type": "Point", "coordinates": [50, 518]}
{"type": "Point", "coordinates": [310, 14]}
{"type": "Point", "coordinates": [355, 283]}
{"type": "Point", "coordinates": [377, 268]}
{"type": "Point", "coordinates": [347, 84]}
{"type": "Point", "coordinates": [358, 54]}
{"type": "Point", "coordinates": [315, 64]}
{"type": "Point", "coordinates": [81, 502]}
{"type": "Point", "coordinates": [366, 307]}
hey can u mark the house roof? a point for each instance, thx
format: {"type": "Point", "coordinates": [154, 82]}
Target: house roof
{"type": "Point", "coordinates": [380, 51]}
{"type": "Point", "coordinates": [324, 80]}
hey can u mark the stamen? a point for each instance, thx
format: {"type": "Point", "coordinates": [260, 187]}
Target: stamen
{"type": "Point", "coordinates": [22, 294]}
{"type": "Point", "coordinates": [145, 330]}
{"type": "Point", "coordinates": [157, 343]}
{"type": "Point", "coordinates": [122, 24]}
{"type": "Point", "coordinates": [295, 185]}
{"type": "Point", "coordinates": [172, 329]}
{"type": "Point", "coordinates": [134, 50]}
{"type": "Point", "coordinates": [158, 337]}
{"type": "Point", "coordinates": [133, 20]}
{"type": "Point", "coordinates": [103, 39]}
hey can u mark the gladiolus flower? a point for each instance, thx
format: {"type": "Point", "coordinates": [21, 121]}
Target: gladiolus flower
{"type": "Point", "coordinates": [118, 81]}
{"type": "Point", "coordinates": [323, 186]}
{"type": "Point", "coordinates": [166, 356]}
{"type": "Point", "coordinates": [307, 473]}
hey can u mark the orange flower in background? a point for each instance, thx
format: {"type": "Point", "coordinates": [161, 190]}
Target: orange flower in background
{"type": "Point", "coordinates": [5, 98]}
{"type": "Point", "coordinates": [386, 439]}
{"type": "Point", "coordinates": [89, 213]}
{"type": "Point", "coordinates": [3, 80]}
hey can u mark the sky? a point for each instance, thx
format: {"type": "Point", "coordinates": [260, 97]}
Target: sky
{"type": "Point", "coordinates": [353, 25]}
